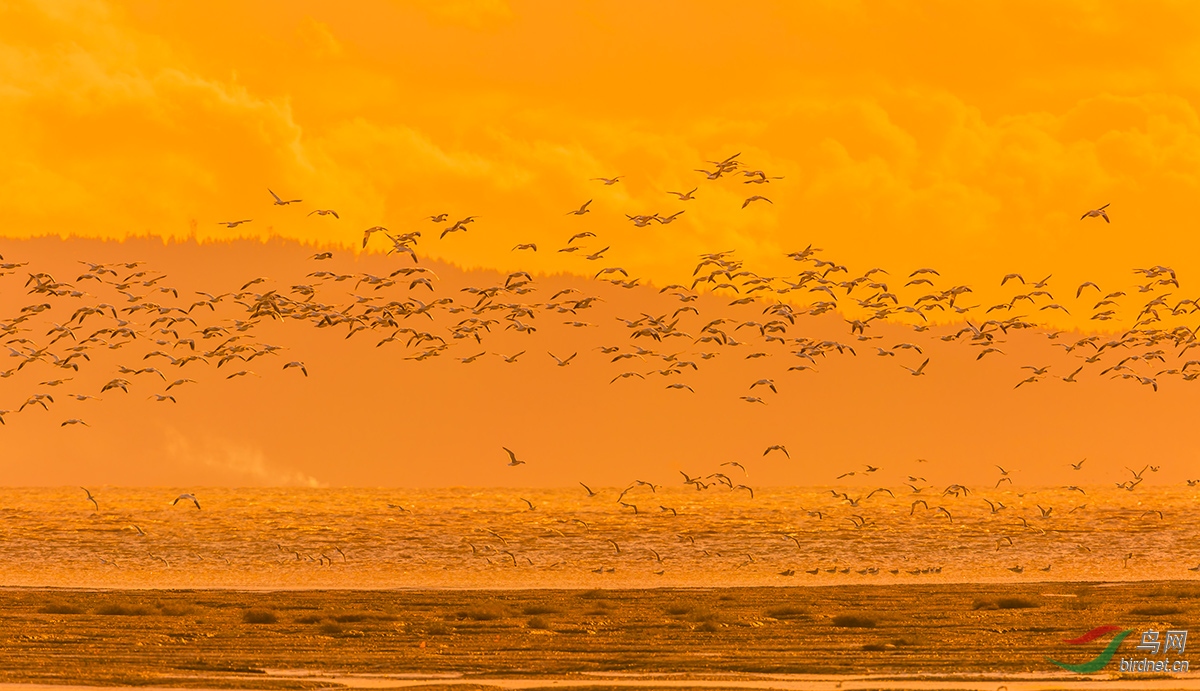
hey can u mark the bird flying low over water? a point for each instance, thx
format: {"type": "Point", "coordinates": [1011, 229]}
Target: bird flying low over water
{"type": "Point", "coordinates": [185, 498]}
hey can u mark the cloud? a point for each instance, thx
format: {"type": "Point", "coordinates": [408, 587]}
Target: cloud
{"type": "Point", "coordinates": [225, 462]}
{"type": "Point", "coordinates": [950, 155]}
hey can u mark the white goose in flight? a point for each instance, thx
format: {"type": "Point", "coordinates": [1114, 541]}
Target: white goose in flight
{"type": "Point", "coordinates": [281, 202]}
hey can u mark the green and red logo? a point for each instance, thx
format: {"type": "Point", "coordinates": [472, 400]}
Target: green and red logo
{"type": "Point", "coordinates": [1105, 656]}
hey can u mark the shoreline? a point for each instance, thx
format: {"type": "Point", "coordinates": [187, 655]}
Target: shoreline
{"type": "Point", "coordinates": [587, 588]}
{"type": "Point", "coordinates": [901, 636]}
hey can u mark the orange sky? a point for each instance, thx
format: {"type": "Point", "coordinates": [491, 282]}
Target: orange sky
{"type": "Point", "coordinates": [968, 137]}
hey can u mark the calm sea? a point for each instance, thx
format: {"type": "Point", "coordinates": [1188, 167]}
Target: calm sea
{"type": "Point", "coordinates": [473, 538]}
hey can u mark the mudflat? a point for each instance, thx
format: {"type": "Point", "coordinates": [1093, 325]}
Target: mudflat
{"type": "Point", "coordinates": [324, 638]}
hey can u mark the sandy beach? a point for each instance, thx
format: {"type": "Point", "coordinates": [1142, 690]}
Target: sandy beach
{"type": "Point", "coordinates": [918, 636]}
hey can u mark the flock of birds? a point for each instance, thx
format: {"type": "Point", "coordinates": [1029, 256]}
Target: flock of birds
{"type": "Point", "coordinates": [171, 337]}
{"type": "Point", "coordinates": [983, 531]}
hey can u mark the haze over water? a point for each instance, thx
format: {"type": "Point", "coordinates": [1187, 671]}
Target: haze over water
{"type": "Point", "coordinates": [474, 538]}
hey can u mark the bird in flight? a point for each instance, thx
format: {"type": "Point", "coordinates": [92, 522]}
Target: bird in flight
{"type": "Point", "coordinates": [371, 231]}
{"type": "Point", "coordinates": [581, 210]}
{"type": "Point", "coordinates": [756, 198]}
{"type": "Point", "coordinates": [563, 363]}
{"type": "Point", "coordinates": [685, 196]}
{"type": "Point", "coordinates": [187, 497]}
{"type": "Point", "coordinates": [233, 224]}
{"type": "Point", "coordinates": [777, 447]}
{"type": "Point", "coordinates": [918, 371]}
{"type": "Point", "coordinates": [1100, 211]}
{"type": "Point", "coordinates": [281, 202]}
{"type": "Point", "coordinates": [324, 212]}
{"type": "Point", "coordinates": [91, 498]}
{"type": "Point", "coordinates": [512, 457]}
{"type": "Point", "coordinates": [610, 181]}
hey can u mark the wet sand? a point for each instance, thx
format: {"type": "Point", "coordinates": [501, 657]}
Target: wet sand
{"type": "Point", "coordinates": [903, 636]}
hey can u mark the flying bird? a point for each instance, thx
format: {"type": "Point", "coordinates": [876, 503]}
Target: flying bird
{"type": "Point", "coordinates": [777, 447]}
{"type": "Point", "coordinates": [685, 196]}
{"type": "Point", "coordinates": [1100, 211]}
{"type": "Point", "coordinates": [512, 457]}
{"type": "Point", "coordinates": [187, 497]}
{"type": "Point", "coordinates": [561, 362]}
{"type": "Point", "coordinates": [281, 202]}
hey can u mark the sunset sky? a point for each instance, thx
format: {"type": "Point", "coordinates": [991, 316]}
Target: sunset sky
{"type": "Point", "coordinates": [965, 136]}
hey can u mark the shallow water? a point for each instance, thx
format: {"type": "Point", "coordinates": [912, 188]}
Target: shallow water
{"type": "Point", "coordinates": [460, 538]}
